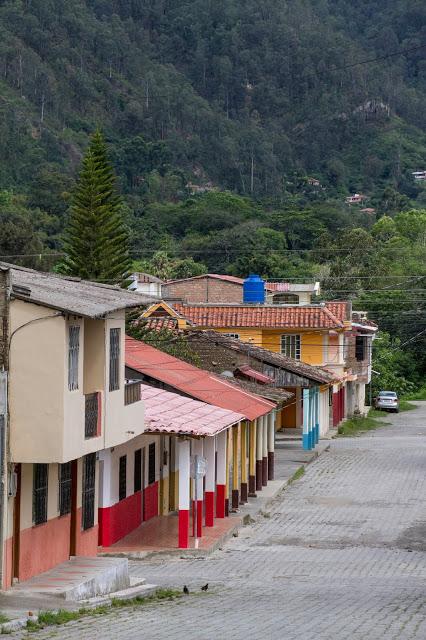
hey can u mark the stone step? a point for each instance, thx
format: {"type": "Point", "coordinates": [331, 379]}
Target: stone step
{"type": "Point", "coordinates": [80, 578]}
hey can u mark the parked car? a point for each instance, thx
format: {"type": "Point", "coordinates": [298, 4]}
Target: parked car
{"type": "Point", "coordinates": [387, 400]}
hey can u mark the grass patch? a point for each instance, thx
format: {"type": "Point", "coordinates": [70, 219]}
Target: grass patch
{"type": "Point", "coordinates": [298, 474]}
{"type": "Point", "coordinates": [54, 618]}
{"type": "Point", "coordinates": [404, 405]}
{"type": "Point", "coordinates": [3, 618]}
{"type": "Point", "coordinates": [420, 394]}
{"type": "Point", "coordinates": [361, 424]}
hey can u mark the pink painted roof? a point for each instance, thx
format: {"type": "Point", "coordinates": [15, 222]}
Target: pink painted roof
{"type": "Point", "coordinates": [247, 371]}
{"type": "Point", "coordinates": [167, 412]}
{"type": "Point", "coordinates": [195, 382]}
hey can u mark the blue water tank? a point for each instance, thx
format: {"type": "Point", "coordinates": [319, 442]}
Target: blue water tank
{"type": "Point", "coordinates": [254, 290]}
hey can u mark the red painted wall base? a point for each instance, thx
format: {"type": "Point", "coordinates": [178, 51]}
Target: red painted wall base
{"type": "Point", "coordinates": [220, 501]}
{"type": "Point", "coordinates": [183, 528]}
{"type": "Point", "coordinates": [209, 500]}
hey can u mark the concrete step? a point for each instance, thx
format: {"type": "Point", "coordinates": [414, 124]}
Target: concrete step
{"type": "Point", "coordinates": [80, 578]}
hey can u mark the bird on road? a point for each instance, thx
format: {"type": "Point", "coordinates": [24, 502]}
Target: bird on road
{"type": "Point", "coordinates": [206, 586]}
{"type": "Point", "coordinates": [185, 590]}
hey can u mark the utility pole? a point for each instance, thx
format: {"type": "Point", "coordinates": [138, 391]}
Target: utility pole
{"type": "Point", "coordinates": [4, 365]}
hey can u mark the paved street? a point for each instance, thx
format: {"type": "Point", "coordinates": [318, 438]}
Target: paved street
{"type": "Point", "coordinates": [340, 555]}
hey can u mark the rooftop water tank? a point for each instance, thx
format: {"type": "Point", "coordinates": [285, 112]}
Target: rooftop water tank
{"type": "Point", "coordinates": [254, 290]}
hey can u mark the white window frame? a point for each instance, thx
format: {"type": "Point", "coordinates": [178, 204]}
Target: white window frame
{"type": "Point", "coordinates": [291, 345]}
{"type": "Point", "coordinates": [73, 356]}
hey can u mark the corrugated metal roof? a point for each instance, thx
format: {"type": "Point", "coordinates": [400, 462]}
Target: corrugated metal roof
{"type": "Point", "coordinates": [234, 316]}
{"type": "Point", "coordinates": [78, 297]}
{"type": "Point", "coordinates": [167, 412]}
{"type": "Point", "coordinates": [197, 383]}
{"type": "Point", "coordinates": [255, 375]}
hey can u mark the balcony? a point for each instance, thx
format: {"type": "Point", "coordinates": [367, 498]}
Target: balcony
{"type": "Point", "coordinates": [132, 391]}
{"type": "Point", "coordinates": [92, 415]}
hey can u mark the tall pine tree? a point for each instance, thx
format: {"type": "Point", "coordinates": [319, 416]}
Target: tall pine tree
{"type": "Point", "coordinates": [96, 241]}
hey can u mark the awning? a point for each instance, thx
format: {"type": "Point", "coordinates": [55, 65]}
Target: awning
{"type": "Point", "coordinates": [171, 413]}
{"type": "Point", "coordinates": [247, 371]}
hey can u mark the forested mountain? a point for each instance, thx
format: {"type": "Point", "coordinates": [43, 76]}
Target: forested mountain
{"type": "Point", "coordinates": [246, 94]}
{"type": "Point", "coordinates": [278, 108]}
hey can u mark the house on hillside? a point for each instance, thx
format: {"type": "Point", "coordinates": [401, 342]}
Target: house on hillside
{"type": "Point", "coordinates": [216, 288]}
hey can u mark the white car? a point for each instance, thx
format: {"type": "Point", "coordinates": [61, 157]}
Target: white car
{"type": "Point", "coordinates": [387, 400]}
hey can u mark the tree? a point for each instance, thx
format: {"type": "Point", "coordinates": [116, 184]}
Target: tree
{"type": "Point", "coordinates": [96, 240]}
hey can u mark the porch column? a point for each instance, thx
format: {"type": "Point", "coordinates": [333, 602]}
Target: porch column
{"type": "Point", "coordinates": [312, 417]}
{"type": "Point", "coordinates": [210, 454]}
{"type": "Point", "coordinates": [317, 415]}
{"type": "Point", "coordinates": [227, 469]}
{"type": "Point", "coordinates": [252, 459]}
{"type": "Point", "coordinates": [244, 485]}
{"type": "Point", "coordinates": [221, 474]}
{"type": "Point", "coordinates": [305, 437]}
{"type": "Point", "coordinates": [197, 450]}
{"type": "Point", "coordinates": [265, 451]}
{"type": "Point", "coordinates": [259, 454]}
{"type": "Point", "coordinates": [183, 518]}
{"type": "Point", "coordinates": [235, 467]}
{"type": "Point", "coordinates": [271, 444]}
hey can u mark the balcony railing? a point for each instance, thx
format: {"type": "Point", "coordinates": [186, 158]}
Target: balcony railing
{"type": "Point", "coordinates": [91, 415]}
{"type": "Point", "coordinates": [132, 391]}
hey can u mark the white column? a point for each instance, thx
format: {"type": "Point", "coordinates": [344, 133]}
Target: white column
{"type": "Point", "coordinates": [221, 474]}
{"type": "Point", "coordinates": [210, 455]}
{"type": "Point", "coordinates": [184, 462]}
{"type": "Point", "coordinates": [259, 454]}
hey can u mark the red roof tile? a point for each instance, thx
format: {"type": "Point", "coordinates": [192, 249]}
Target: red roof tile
{"type": "Point", "coordinates": [195, 382]}
{"type": "Point", "coordinates": [248, 372]}
{"type": "Point", "coordinates": [265, 316]}
{"type": "Point", "coordinates": [216, 276]}
{"type": "Point", "coordinates": [341, 309]}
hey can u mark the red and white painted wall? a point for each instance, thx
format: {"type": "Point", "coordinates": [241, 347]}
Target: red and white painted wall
{"type": "Point", "coordinates": [30, 548]}
{"type": "Point", "coordinates": [129, 490]}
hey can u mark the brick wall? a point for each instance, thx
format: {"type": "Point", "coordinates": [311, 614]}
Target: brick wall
{"type": "Point", "coordinates": [204, 290]}
{"type": "Point", "coordinates": [4, 318]}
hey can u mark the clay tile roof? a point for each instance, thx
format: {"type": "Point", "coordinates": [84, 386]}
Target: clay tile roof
{"type": "Point", "coordinates": [215, 276]}
{"type": "Point", "coordinates": [193, 381]}
{"type": "Point", "coordinates": [155, 323]}
{"type": "Point", "coordinates": [265, 316]}
{"type": "Point", "coordinates": [317, 374]}
{"type": "Point", "coordinates": [341, 309]}
{"type": "Point", "coordinates": [167, 412]}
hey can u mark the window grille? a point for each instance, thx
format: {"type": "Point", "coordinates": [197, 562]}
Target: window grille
{"type": "Point", "coordinates": [290, 346]}
{"type": "Point", "coordinates": [137, 475]}
{"type": "Point", "coordinates": [122, 488]}
{"type": "Point", "coordinates": [40, 488]}
{"type": "Point", "coordinates": [91, 415]}
{"type": "Point", "coordinates": [65, 488]}
{"type": "Point", "coordinates": [73, 349]}
{"type": "Point", "coordinates": [360, 348]}
{"type": "Point", "coordinates": [151, 463]}
{"type": "Point", "coordinates": [114, 359]}
{"type": "Point", "coordinates": [88, 501]}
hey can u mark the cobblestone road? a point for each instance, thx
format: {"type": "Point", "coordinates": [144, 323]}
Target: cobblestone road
{"type": "Point", "coordinates": [341, 555]}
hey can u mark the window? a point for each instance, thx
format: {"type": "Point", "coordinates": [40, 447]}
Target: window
{"type": "Point", "coordinates": [65, 488]}
{"type": "Point", "coordinates": [114, 359]}
{"type": "Point", "coordinates": [290, 346]}
{"type": "Point", "coordinates": [137, 476]}
{"type": "Point", "coordinates": [40, 483]}
{"type": "Point", "coordinates": [88, 502]}
{"type": "Point", "coordinates": [286, 298]}
{"type": "Point", "coordinates": [151, 463]}
{"type": "Point", "coordinates": [122, 472]}
{"type": "Point", "coordinates": [360, 348]}
{"type": "Point", "coordinates": [232, 335]}
{"type": "Point", "coordinates": [73, 349]}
